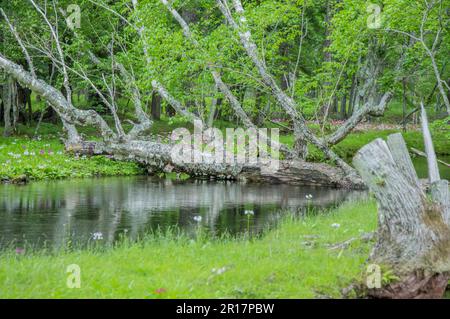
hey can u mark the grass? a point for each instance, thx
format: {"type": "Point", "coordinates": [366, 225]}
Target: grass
{"type": "Point", "coordinates": [355, 141]}
{"type": "Point", "coordinates": [292, 261]}
{"type": "Point", "coordinates": [45, 159]}
{"type": "Point", "coordinates": [349, 146]}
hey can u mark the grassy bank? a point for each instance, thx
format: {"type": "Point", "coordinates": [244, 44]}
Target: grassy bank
{"type": "Point", "coordinates": [22, 158]}
{"type": "Point", "coordinates": [292, 261]}
{"type": "Point", "coordinates": [355, 141]}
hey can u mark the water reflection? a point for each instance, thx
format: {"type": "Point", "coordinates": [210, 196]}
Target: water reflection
{"type": "Point", "coordinates": [54, 212]}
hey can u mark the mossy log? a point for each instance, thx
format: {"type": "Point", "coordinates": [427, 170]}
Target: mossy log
{"type": "Point", "coordinates": [158, 157]}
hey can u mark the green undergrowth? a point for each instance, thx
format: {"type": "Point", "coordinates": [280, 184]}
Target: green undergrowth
{"type": "Point", "coordinates": [22, 158]}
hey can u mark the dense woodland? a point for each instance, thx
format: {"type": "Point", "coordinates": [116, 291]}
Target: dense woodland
{"type": "Point", "coordinates": [331, 57]}
{"type": "Point", "coordinates": [314, 69]}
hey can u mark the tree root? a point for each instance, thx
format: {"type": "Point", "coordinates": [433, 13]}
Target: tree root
{"type": "Point", "coordinates": [416, 285]}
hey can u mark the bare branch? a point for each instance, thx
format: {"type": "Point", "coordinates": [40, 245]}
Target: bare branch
{"type": "Point", "coordinates": [120, 16]}
{"type": "Point", "coordinates": [357, 116]}
{"type": "Point", "coordinates": [56, 99]}
{"type": "Point", "coordinates": [431, 52]}
{"type": "Point", "coordinates": [55, 36]}
{"type": "Point", "coordinates": [19, 41]}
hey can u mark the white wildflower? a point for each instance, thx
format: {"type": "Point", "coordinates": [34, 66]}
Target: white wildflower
{"type": "Point", "coordinates": [14, 155]}
{"type": "Point", "coordinates": [198, 219]}
{"type": "Point", "coordinates": [97, 236]}
{"type": "Point", "coordinates": [219, 271]}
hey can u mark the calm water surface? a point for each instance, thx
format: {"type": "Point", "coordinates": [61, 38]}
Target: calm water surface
{"type": "Point", "coordinates": [51, 213]}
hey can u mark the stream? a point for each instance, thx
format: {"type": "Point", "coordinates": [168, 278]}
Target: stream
{"type": "Point", "coordinates": [79, 211]}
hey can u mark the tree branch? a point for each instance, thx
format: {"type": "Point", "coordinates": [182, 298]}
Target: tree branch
{"type": "Point", "coordinates": [56, 99]}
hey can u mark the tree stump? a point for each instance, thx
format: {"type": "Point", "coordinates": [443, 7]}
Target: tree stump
{"type": "Point", "coordinates": [413, 238]}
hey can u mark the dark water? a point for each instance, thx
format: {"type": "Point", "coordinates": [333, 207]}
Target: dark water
{"type": "Point", "coordinates": [51, 213]}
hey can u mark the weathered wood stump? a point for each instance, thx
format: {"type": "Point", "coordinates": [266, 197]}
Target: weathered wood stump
{"type": "Point", "coordinates": [413, 238]}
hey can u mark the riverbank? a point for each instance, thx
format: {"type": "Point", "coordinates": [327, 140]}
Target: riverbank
{"type": "Point", "coordinates": [295, 260]}
{"type": "Point", "coordinates": [22, 159]}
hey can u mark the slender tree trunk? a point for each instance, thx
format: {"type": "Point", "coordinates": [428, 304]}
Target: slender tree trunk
{"type": "Point", "coordinates": [335, 104]}
{"type": "Point", "coordinates": [7, 105]}
{"type": "Point", "coordinates": [352, 96]}
{"type": "Point", "coordinates": [216, 102]}
{"type": "Point", "coordinates": [284, 79]}
{"type": "Point", "coordinates": [404, 104]}
{"type": "Point", "coordinates": [2, 98]}
{"type": "Point", "coordinates": [328, 106]}
{"type": "Point", "coordinates": [344, 106]}
{"type": "Point", "coordinates": [30, 106]}
{"type": "Point", "coordinates": [263, 115]}
{"type": "Point", "coordinates": [258, 116]}
{"type": "Point", "coordinates": [156, 106]}
{"type": "Point", "coordinates": [439, 80]}
{"type": "Point", "coordinates": [14, 104]}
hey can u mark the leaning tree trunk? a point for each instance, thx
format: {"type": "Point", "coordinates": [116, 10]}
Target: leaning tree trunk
{"type": "Point", "coordinates": [413, 229]}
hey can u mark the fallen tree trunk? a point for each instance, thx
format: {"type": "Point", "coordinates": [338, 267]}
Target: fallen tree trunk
{"type": "Point", "coordinates": [413, 238]}
{"type": "Point", "coordinates": [158, 157]}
